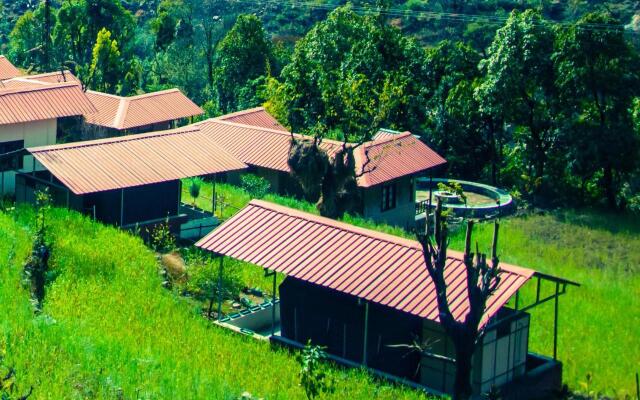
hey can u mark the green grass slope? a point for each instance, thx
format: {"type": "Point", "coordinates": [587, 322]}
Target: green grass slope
{"type": "Point", "coordinates": [109, 330]}
{"type": "Point", "coordinates": [599, 322]}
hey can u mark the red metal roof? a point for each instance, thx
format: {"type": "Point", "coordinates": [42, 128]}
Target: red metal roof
{"type": "Point", "coordinates": [255, 117]}
{"type": "Point", "coordinates": [40, 79]}
{"type": "Point", "coordinates": [45, 101]}
{"type": "Point", "coordinates": [389, 158]}
{"type": "Point", "coordinates": [392, 157]}
{"type": "Point", "coordinates": [7, 70]}
{"type": "Point", "coordinates": [374, 266]}
{"type": "Point", "coordinates": [131, 112]}
{"type": "Point", "coordinates": [134, 160]}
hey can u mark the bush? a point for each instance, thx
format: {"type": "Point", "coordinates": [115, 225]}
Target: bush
{"type": "Point", "coordinates": [194, 188]}
{"type": "Point", "coordinates": [161, 239]}
{"type": "Point", "coordinates": [255, 185]}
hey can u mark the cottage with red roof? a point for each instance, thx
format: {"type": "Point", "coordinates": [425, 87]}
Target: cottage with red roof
{"type": "Point", "coordinates": [30, 109]}
{"type": "Point", "coordinates": [367, 298]}
{"type": "Point", "coordinates": [387, 166]}
{"type": "Point", "coordinates": [117, 115]}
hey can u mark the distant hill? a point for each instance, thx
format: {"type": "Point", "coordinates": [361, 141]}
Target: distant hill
{"type": "Point", "coordinates": [428, 20]}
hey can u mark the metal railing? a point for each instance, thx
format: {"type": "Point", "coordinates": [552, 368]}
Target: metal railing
{"type": "Point", "coordinates": [422, 206]}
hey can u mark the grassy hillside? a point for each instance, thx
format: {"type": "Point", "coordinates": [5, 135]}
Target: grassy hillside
{"type": "Point", "coordinates": [109, 331]}
{"type": "Point", "coordinates": [599, 324]}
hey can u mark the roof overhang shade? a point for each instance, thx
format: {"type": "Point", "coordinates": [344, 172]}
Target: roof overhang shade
{"type": "Point", "coordinates": [370, 265]}
{"type": "Point", "coordinates": [122, 113]}
{"type": "Point", "coordinates": [43, 101]}
{"type": "Point", "coordinates": [134, 160]}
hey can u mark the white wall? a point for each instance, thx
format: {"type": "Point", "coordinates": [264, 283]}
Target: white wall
{"type": "Point", "coordinates": [405, 211]}
{"type": "Point", "coordinates": [37, 133]}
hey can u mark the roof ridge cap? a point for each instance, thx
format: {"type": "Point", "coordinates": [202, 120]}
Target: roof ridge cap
{"type": "Point", "coordinates": [123, 108]}
{"type": "Point", "coordinates": [46, 86]}
{"type": "Point", "coordinates": [116, 139]}
{"type": "Point", "coordinates": [393, 138]}
{"type": "Point", "coordinates": [257, 128]}
{"type": "Point", "coordinates": [152, 94]}
{"type": "Point", "coordinates": [243, 112]}
{"type": "Point", "coordinates": [385, 237]}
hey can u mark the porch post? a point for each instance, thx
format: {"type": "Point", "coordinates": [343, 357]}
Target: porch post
{"type": "Point", "coordinates": [213, 197]}
{"type": "Point", "coordinates": [430, 193]}
{"type": "Point", "coordinates": [220, 288]}
{"type": "Point", "coordinates": [121, 207]}
{"type": "Point", "coordinates": [273, 307]}
{"type": "Point", "coordinates": [555, 324]}
{"type": "Point", "coordinates": [366, 333]}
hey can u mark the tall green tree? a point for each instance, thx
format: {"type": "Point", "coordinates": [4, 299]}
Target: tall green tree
{"type": "Point", "coordinates": [30, 41]}
{"type": "Point", "coordinates": [80, 21]}
{"type": "Point", "coordinates": [106, 65]}
{"type": "Point", "coordinates": [242, 56]}
{"type": "Point", "coordinates": [598, 79]}
{"type": "Point", "coordinates": [454, 124]}
{"type": "Point", "coordinates": [343, 70]}
{"type": "Point", "coordinates": [519, 88]}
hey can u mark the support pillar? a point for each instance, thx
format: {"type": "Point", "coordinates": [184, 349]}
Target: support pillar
{"type": "Point", "coordinates": [121, 207]}
{"type": "Point", "coordinates": [366, 333]}
{"type": "Point", "coordinates": [273, 307]}
{"type": "Point", "coordinates": [213, 198]}
{"type": "Point", "coordinates": [220, 288]}
{"type": "Point", "coordinates": [555, 323]}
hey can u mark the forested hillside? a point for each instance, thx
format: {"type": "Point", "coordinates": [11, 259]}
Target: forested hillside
{"type": "Point", "coordinates": [539, 97]}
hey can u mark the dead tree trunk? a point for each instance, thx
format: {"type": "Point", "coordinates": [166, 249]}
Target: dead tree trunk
{"type": "Point", "coordinates": [482, 281]}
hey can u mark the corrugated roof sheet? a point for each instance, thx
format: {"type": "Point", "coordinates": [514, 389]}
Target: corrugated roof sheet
{"type": "Point", "coordinates": [25, 104]}
{"type": "Point", "coordinates": [7, 70]}
{"type": "Point", "coordinates": [377, 267]}
{"type": "Point", "coordinates": [262, 147]}
{"type": "Point", "coordinates": [390, 158]}
{"type": "Point", "coordinates": [255, 117]}
{"type": "Point", "coordinates": [134, 160]}
{"type": "Point", "coordinates": [131, 112]}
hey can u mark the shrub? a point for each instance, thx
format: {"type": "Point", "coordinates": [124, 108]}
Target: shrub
{"type": "Point", "coordinates": [255, 185]}
{"type": "Point", "coordinates": [161, 239]}
{"type": "Point", "coordinates": [194, 188]}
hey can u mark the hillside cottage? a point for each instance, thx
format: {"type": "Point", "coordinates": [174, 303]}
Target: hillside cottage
{"type": "Point", "coordinates": [387, 167]}
{"type": "Point", "coordinates": [369, 299]}
{"type": "Point", "coordinates": [131, 181]}
{"type": "Point", "coordinates": [30, 113]}
{"type": "Point", "coordinates": [117, 115]}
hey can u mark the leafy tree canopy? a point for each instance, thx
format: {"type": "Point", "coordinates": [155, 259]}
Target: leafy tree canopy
{"type": "Point", "coordinates": [243, 55]}
{"type": "Point", "coordinates": [352, 73]}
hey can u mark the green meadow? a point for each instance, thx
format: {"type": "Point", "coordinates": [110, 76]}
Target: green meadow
{"type": "Point", "coordinates": [599, 322]}
{"type": "Point", "coordinates": [109, 330]}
